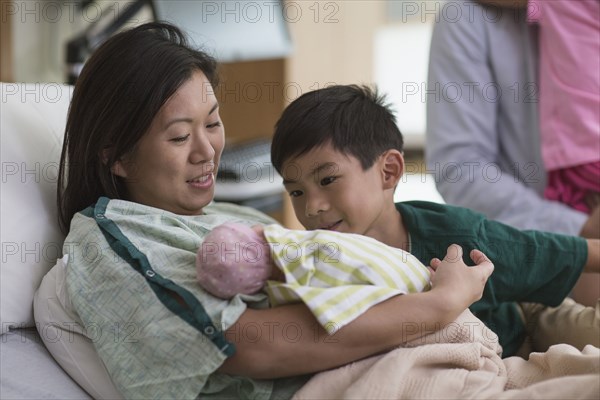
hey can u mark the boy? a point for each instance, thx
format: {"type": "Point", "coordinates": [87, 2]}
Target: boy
{"type": "Point", "coordinates": [340, 154]}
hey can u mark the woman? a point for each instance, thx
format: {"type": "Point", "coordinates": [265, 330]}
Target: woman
{"type": "Point", "coordinates": [141, 150]}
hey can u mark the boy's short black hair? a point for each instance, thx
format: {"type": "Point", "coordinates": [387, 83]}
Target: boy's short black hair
{"type": "Point", "coordinates": [355, 120]}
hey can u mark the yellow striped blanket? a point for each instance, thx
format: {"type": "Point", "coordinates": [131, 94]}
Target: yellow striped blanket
{"type": "Point", "coordinates": [339, 275]}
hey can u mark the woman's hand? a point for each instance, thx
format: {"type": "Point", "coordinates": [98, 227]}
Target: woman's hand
{"type": "Point", "coordinates": [463, 284]}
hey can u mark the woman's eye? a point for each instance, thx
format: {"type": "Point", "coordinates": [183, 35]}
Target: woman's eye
{"type": "Point", "coordinates": [326, 181]}
{"type": "Point", "coordinates": [215, 125]}
{"type": "Point", "coordinates": [180, 139]}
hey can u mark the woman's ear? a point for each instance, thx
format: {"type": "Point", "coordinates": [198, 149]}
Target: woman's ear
{"type": "Point", "coordinates": [392, 168]}
{"type": "Point", "coordinates": [117, 167]}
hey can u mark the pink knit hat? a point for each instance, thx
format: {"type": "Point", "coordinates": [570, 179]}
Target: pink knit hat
{"type": "Point", "coordinates": [233, 259]}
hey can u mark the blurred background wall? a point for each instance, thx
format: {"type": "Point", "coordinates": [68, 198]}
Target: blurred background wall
{"type": "Point", "coordinates": [375, 42]}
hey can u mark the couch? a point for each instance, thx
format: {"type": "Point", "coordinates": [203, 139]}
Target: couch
{"type": "Point", "coordinates": [36, 351]}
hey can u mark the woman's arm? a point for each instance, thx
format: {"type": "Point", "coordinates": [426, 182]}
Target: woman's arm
{"type": "Point", "coordinates": [291, 341]}
{"type": "Point", "coordinates": [288, 340]}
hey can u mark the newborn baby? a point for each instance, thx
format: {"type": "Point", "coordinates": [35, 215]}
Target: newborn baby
{"type": "Point", "coordinates": [338, 275]}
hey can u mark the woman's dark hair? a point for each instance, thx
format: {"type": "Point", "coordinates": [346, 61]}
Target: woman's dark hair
{"type": "Point", "coordinates": [355, 120]}
{"type": "Point", "coordinates": [120, 90]}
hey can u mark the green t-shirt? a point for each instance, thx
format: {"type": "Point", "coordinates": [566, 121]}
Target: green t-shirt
{"type": "Point", "coordinates": [125, 262]}
{"type": "Point", "coordinates": [530, 266]}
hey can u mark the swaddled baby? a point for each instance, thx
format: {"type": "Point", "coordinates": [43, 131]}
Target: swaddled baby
{"type": "Point", "coordinates": [338, 275]}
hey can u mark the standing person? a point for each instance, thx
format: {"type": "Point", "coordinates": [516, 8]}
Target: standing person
{"type": "Point", "coordinates": [135, 193]}
{"type": "Point", "coordinates": [569, 79]}
{"type": "Point", "coordinates": [482, 119]}
{"type": "Point", "coordinates": [483, 132]}
{"type": "Point", "coordinates": [339, 152]}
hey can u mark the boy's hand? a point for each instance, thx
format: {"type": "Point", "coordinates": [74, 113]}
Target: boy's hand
{"type": "Point", "coordinates": [460, 284]}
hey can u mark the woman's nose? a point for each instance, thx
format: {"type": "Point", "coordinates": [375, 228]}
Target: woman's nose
{"type": "Point", "coordinates": [202, 149]}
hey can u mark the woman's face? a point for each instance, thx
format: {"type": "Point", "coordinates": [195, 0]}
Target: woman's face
{"type": "Point", "coordinates": [173, 166]}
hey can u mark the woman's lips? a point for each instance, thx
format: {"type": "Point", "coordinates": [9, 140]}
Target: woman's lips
{"type": "Point", "coordinates": [202, 182]}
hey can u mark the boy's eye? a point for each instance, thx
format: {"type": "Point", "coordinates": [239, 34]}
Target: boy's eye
{"type": "Point", "coordinates": [327, 180]}
{"type": "Point", "coordinates": [295, 193]}
{"type": "Point", "coordinates": [180, 139]}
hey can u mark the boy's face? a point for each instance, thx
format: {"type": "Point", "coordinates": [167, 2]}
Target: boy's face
{"type": "Point", "coordinates": [330, 190]}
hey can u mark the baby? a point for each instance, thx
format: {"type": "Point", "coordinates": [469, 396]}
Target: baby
{"type": "Point", "coordinates": [337, 275]}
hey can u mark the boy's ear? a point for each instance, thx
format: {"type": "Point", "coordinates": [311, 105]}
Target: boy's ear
{"type": "Point", "coordinates": [117, 168]}
{"type": "Point", "coordinates": [392, 168]}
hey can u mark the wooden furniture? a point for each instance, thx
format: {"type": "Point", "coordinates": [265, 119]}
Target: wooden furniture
{"type": "Point", "coordinates": [252, 97]}
{"type": "Point", "coordinates": [6, 57]}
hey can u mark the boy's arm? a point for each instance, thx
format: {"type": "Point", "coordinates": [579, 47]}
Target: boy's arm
{"type": "Point", "coordinates": [593, 259]}
{"type": "Point", "coordinates": [587, 288]}
{"type": "Point", "coordinates": [591, 228]}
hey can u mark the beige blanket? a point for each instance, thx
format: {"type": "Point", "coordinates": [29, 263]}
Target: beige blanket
{"type": "Point", "coordinates": [462, 362]}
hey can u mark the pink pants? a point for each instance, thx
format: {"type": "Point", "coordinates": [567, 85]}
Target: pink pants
{"type": "Point", "coordinates": [571, 185]}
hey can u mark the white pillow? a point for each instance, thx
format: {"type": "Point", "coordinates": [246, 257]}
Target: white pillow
{"type": "Point", "coordinates": [32, 125]}
{"type": "Point", "coordinates": [65, 337]}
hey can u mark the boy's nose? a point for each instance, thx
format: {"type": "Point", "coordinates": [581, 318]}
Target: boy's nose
{"type": "Point", "coordinates": [315, 206]}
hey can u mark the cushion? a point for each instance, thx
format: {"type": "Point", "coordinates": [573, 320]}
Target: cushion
{"type": "Point", "coordinates": [65, 337]}
{"type": "Point", "coordinates": [25, 361]}
{"type": "Point", "coordinates": [32, 126]}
